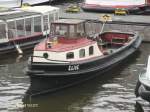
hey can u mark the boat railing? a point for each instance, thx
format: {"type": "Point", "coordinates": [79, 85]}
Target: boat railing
{"type": "Point", "coordinates": [60, 61]}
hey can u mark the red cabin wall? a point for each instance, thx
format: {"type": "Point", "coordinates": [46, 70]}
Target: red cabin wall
{"type": "Point", "coordinates": [147, 2]}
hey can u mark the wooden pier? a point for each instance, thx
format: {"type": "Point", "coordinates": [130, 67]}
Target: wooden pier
{"type": "Point", "coordinates": [140, 23]}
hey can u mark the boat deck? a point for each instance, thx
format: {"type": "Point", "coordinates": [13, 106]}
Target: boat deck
{"type": "Point", "coordinates": [63, 45]}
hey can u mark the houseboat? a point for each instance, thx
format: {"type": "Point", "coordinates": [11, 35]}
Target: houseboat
{"type": "Point", "coordinates": [18, 3]}
{"type": "Point", "coordinates": [143, 85]}
{"type": "Point", "coordinates": [24, 27]}
{"type": "Point", "coordinates": [131, 6]}
{"type": "Point", "coordinates": [74, 52]}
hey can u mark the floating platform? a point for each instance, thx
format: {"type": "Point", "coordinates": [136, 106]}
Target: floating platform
{"type": "Point", "coordinates": [138, 23]}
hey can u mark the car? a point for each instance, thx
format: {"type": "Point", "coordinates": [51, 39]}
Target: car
{"type": "Point", "coordinates": [73, 9]}
{"type": "Point", "coordinates": [121, 11]}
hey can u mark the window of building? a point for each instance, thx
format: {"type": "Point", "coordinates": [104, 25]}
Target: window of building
{"type": "Point", "coordinates": [70, 55]}
{"type": "Point", "coordinates": [91, 50]}
{"type": "Point", "coordinates": [82, 53]}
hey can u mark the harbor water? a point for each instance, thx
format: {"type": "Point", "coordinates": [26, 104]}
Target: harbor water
{"type": "Point", "coordinates": [112, 92]}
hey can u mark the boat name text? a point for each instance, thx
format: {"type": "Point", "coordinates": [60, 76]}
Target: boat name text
{"type": "Point", "coordinates": [73, 67]}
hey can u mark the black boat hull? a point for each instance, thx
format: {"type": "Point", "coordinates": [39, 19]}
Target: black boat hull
{"type": "Point", "coordinates": [143, 87]}
{"type": "Point", "coordinates": [43, 82]}
{"type": "Point", "coordinates": [142, 91]}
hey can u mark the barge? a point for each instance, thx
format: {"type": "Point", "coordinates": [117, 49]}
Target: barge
{"type": "Point", "coordinates": [74, 52]}
{"type": "Point", "coordinates": [131, 6]}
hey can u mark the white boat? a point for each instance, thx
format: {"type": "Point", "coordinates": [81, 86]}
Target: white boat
{"type": "Point", "coordinates": [22, 28]}
{"type": "Point", "coordinates": [110, 5]}
{"type": "Point", "coordinates": [143, 85]}
{"type": "Point", "coordinates": [34, 2]}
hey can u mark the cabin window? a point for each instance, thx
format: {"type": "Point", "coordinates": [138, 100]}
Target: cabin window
{"type": "Point", "coordinates": [72, 31]}
{"type": "Point", "coordinates": [80, 30]}
{"type": "Point", "coordinates": [20, 27]}
{"type": "Point", "coordinates": [11, 29]}
{"type": "Point", "coordinates": [45, 20]}
{"type": "Point", "coordinates": [91, 50]}
{"type": "Point", "coordinates": [51, 18]}
{"type": "Point", "coordinates": [61, 30]}
{"type": "Point", "coordinates": [82, 53]}
{"type": "Point", "coordinates": [37, 24]}
{"type": "Point", "coordinates": [70, 55]}
{"type": "Point", "coordinates": [2, 31]}
{"type": "Point", "coordinates": [56, 16]}
{"type": "Point", "coordinates": [28, 26]}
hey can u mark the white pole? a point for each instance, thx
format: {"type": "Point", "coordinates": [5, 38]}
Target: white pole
{"type": "Point", "coordinates": [148, 68]}
{"type": "Point", "coordinates": [103, 27]}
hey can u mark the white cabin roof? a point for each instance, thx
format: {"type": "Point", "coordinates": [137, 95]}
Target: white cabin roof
{"type": "Point", "coordinates": [40, 9]}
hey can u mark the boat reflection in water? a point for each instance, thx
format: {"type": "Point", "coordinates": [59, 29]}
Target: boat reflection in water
{"type": "Point", "coordinates": [75, 52]}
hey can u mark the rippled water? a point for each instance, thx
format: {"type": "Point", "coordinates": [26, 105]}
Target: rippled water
{"type": "Point", "coordinates": [114, 92]}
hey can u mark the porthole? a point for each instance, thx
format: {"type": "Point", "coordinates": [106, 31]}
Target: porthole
{"type": "Point", "coordinates": [45, 55]}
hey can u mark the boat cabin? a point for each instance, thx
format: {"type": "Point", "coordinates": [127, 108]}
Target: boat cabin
{"type": "Point", "coordinates": [67, 42]}
{"type": "Point", "coordinates": [23, 23]}
{"type": "Point", "coordinates": [73, 40]}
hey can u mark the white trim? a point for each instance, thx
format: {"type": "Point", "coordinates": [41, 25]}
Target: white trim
{"type": "Point", "coordinates": [61, 56]}
{"type": "Point", "coordinates": [3, 40]}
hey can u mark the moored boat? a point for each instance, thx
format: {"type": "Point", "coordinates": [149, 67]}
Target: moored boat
{"type": "Point", "coordinates": [143, 85]}
{"type": "Point", "coordinates": [24, 27]}
{"type": "Point", "coordinates": [37, 2]}
{"type": "Point", "coordinates": [132, 6]}
{"type": "Point", "coordinates": [76, 51]}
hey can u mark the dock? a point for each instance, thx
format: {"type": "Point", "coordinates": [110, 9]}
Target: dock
{"type": "Point", "coordinates": [139, 23]}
